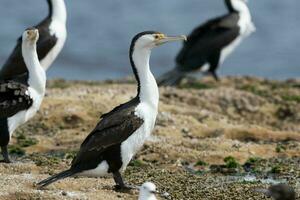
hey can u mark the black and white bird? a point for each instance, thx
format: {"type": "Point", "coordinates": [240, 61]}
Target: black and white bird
{"type": "Point", "coordinates": [122, 132]}
{"type": "Point", "coordinates": [210, 44]}
{"type": "Point", "coordinates": [53, 34]}
{"type": "Point", "coordinates": [280, 191]}
{"type": "Point", "coordinates": [20, 102]}
{"type": "Point", "coordinates": [147, 191]}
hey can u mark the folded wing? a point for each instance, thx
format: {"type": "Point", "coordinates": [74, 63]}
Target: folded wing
{"type": "Point", "coordinates": [207, 40]}
{"type": "Point", "coordinates": [114, 128]}
{"type": "Point", "coordinates": [14, 98]}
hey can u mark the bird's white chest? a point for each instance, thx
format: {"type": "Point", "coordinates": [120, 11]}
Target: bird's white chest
{"type": "Point", "coordinates": [230, 48]}
{"type": "Point", "coordinates": [59, 30]}
{"type": "Point", "coordinates": [246, 28]}
{"type": "Point", "coordinates": [133, 144]}
{"type": "Point", "coordinates": [246, 25]}
{"type": "Point", "coordinates": [23, 116]}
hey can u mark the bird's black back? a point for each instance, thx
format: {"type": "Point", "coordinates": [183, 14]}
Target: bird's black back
{"type": "Point", "coordinates": [14, 67]}
{"type": "Point", "coordinates": [206, 41]}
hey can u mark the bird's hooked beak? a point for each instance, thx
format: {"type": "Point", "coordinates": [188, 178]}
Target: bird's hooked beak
{"type": "Point", "coordinates": [162, 39]}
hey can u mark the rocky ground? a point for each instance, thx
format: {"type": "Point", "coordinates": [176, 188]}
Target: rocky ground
{"type": "Point", "coordinates": [212, 140]}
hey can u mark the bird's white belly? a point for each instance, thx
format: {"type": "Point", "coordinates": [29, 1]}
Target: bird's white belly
{"type": "Point", "coordinates": [23, 116]}
{"type": "Point", "coordinates": [60, 32]}
{"type": "Point", "coordinates": [246, 28]}
{"type": "Point", "coordinates": [199, 72]}
{"type": "Point", "coordinates": [205, 68]}
{"type": "Point", "coordinates": [100, 171]}
{"type": "Point", "coordinates": [15, 121]}
{"type": "Point", "coordinates": [131, 146]}
{"type": "Point", "coordinates": [135, 142]}
{"type": "Point", "coordinates": [229, 49]}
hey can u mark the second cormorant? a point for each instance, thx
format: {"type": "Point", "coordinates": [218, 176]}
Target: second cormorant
{"type": "Point", "coordinates": [53, 34]}
{"type": "Point", "coordinates": [211, 43]}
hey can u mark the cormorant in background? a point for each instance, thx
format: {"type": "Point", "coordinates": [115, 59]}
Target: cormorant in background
{"type": "Point", "coordinates": [210, 44]}
{"type": "Point", "coordinates": [53, 33]}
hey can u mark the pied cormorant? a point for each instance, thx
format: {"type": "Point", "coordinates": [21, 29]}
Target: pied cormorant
{"type": "Point", "coordinates": [211, 43]}
{"type": "Point", "coordinates": [52, 38]}
{"type": "Point", "coordinates": [20, 102]}
{"type": "Point", "coordinates": [121, 132]}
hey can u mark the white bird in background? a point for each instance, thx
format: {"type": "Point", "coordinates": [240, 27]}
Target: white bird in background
{"type": "Point", "coordinates": [147, 191]}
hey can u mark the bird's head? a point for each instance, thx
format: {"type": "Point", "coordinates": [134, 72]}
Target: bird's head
{"type": "Point", "coordinates": [147, 191]}
{"type": "Point", "coordinates": [151, 39]}
{"type": "Point", "coordinates": [30, 36]}
{"type": "Point", "coordinates": [141, 47]}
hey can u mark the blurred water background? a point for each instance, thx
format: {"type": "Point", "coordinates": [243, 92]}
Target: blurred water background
{"type": "Point", "coordinates": [100, 31]}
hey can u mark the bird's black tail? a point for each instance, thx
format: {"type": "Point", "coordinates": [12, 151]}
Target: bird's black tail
{"type": "Point", "coordinates": [56, 177]}
{"type": "Point", "coordinates": [171, 78]}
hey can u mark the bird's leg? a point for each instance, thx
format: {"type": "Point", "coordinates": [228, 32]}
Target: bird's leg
{"type": "Point", "coordinates": [120, 185]}
{"type": "Point", "coordinates": [214, 74]}
{"type": "Point", "coordinates": [214, 62]}
{"type": "Point", "coordinates": [4, 152]}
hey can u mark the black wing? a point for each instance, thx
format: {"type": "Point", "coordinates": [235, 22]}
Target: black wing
{"type": "Point", "coordinates": [114, 128]}
{"type": "Point", "coordinates": [13, 98]}
{"type": "Point", "coordinates": [207, 40]}
{"type": "Point", "coordinates": [14, 67]}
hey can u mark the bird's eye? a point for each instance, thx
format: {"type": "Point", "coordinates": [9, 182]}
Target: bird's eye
{"type": "Point", "coordinates": [156, 37]}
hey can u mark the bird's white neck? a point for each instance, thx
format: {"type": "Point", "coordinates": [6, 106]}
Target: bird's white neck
{"type": "Point", "coordinates": [241, 8]}
{"type": "Point", "coordinates": [245, 21]}
{"type": "Point", "coordinates": [59, 11]}
{"type": "Point", "coordinates": [37, 75]}
{"type": "Point", "coordinates": [148, 91]}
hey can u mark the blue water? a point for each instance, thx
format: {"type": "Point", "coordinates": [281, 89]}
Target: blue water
{"type": "Point", "coordinates": [100, 32]}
